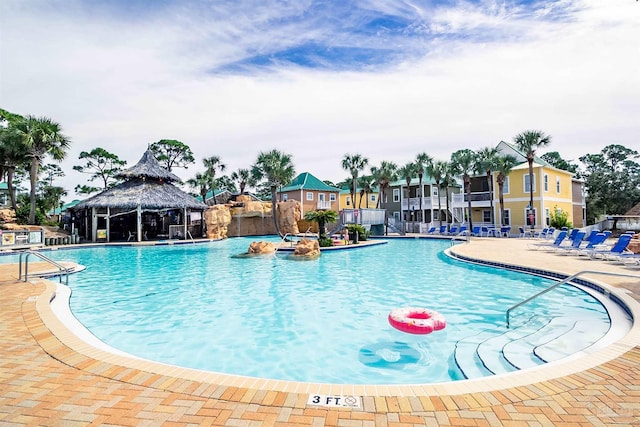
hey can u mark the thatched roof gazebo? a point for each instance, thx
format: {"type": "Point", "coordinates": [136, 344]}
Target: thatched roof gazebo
{"type": "Point", "coordinates": [149, 193]}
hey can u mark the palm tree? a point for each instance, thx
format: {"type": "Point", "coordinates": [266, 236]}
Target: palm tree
{"type": "Point", "coordinates": [366, 187]}
{"type": "Point", "coordinates": [437, 169]}
{"type": "Point", "coordinates": [503, 166]}
{"type": "Point", "coordinates": [40, 136]}
{"type": "Point", "coordinates": [528, 142]}
{"type": "Point", "coordinates": [354, 163]}
{"type": "Point", "coordinates": [447, 181]}
{"type": "Point", "coordinates": [12, 156]}
{"type": "Point", "coordinates": [487, 158]}
{"type": "Point", "coordinates": [276, 168]}
{"type": "Point", "coordinates": [407, 171]}
{"type": "Point", "coordinates": [383, 176]}
{"type": "Point", "coordinates": [212, 165]}
{"type": "Point", "coordinates": [201, 183]}
{"type": "Point", "coordinates": [243, 177]}
{"type": "Point", "coordinates": [322, 217]}
{"type": "Point", "coordinates": [423, 161]}
{"type": "Point", "coordinates": [462, 164]}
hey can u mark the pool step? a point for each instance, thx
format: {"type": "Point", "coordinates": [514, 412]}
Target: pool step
{"type": "Point", "coordinates": [518, 352]}
{"type": "Point", "coordinates": [533, 343]}
{"type": "Point", "coordinates": [572, 341]}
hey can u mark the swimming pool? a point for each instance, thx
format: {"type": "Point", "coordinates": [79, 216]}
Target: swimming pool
{"type": "Point", "coordinates": [315, 321]}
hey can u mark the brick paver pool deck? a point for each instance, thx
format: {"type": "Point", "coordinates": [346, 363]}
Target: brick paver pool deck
{"type": "Point", "coordinates": [49, 377]}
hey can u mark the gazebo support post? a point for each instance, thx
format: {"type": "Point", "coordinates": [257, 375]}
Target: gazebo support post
{"type": "Point", "coordinates": [184, 216]}
{"type": "Point", "coordinates": [139, 223]}
{"type": "Point", "coordinates": [94, 225]}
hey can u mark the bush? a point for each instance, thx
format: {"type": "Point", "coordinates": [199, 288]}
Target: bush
{"type": "Point", "coordinates": [559, 218]}
{"type": "Point", "coordinates": [325, 242]}
{"type": "Point", "coordinates": [363, 234]}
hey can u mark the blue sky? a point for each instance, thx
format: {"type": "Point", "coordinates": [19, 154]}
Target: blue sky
{"type": "Point", "coordinates": [387, 79]}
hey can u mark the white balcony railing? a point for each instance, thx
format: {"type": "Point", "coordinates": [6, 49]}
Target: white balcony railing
{"type": "Point", "coordinates": [323, 205]}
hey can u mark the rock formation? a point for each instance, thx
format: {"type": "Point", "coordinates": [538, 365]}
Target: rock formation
{"type": "Point", "coordinates": [217, 218]}
{"type": "Point", "coordinates": [256, 248]}
{"type": "Point", "coordinates": [307, 248]}
{"type": "Point", "coordinates": [247, 217]}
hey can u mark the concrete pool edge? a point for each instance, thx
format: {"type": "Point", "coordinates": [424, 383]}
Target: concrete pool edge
{"type": "Point", "coordinates": [67, 347]}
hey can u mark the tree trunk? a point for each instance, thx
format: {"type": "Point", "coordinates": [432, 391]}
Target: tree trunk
{"type": "Point", "coordinates": [32, 196]}
{"type": "Point", "coordinates": [439, 204]}
{"type": "Point", "coordinates": [490, 182]}
{"type": "Point", "coordinates": [10, 172]}
{"type": "Point", "coordinates": [467, 185]}
{"type": "Point", "coordinates": [531, 190]}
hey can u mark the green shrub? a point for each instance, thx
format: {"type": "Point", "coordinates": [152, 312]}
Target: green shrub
{"type": "Point", "coordinates": [325, 242]}
{"type": "Point", "coordinates": [363, 234]}
{"type": "Point", "coordinates": [559, 218]}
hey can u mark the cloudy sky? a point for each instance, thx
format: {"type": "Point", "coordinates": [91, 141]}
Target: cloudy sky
{"type": "Point", "coordinates": [386, 79]}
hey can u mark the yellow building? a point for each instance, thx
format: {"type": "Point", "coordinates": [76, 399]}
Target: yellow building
{"type": "Point", "coordinates": [552, 193]}
{"type": "Point", "coordinates": [363, 201]}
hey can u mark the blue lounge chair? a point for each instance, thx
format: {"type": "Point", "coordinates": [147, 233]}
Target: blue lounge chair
{"type": "Point", "coordinates": [453, 230]}
{"type": "Point", "coordinates": [596, 239]}
{"type": "Point", "coordinates": [475, 231]}
{"type": "Point", "coordinates": [525, 233]}
{"type": "Point", "coordinates": [431, 230]}
{"type": "Point", "coordinates": [561, 236]}
{"type": "Point", "coordinates": [609, 253]}
{"type": "Point", "coordinates": [576, 243]}
{"type": "Point", "coordinates": [443, 229]}
{"type": "Point", "coordinates": [505, 231]}
{"type": "Point", "coordinates": [462, 229]}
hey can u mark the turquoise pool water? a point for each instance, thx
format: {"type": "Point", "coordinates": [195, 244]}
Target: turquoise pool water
{"type": "Point", "coordinates": [318, 321]}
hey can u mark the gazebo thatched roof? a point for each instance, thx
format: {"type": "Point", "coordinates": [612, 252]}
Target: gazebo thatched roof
{"type": "Point", "coordinates": [148, 167]}
{"type": "Point", "coordinates": [147, 185]}
{"type": "Point", "coordinates": [149, 194]}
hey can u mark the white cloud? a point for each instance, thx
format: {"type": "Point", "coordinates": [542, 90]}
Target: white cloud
{"type": "Point", "coordinates": [123, 82]}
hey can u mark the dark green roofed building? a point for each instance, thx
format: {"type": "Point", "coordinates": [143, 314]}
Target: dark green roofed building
{"type": "Point", "coordinates": [312, 193]}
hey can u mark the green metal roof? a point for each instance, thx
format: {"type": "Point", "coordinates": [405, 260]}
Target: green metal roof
{"type": "Point", "coordinates": [306, 181]}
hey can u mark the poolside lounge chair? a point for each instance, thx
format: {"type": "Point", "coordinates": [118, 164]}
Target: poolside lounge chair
{"type": "Point", "coordinates": [462, 229]}
{"type": "Point", "coordinates": [453, 230]}
{"type": "Point", "coordinates": [431, 230]}
{"type": "Point", "coordinates": [561, 236]}
{"type": "Point", "coordinates": [525, 233]}
{"type": "Point", "coordinates": [443, 229]}
{"type": "Point", "coordinates": [592, 241]}
{"type": "Point", "coordinates": [576, 242]}
{"type": "Point", "coordinates": [505, 231]}
{"type": "Point", "coordinates": [475, 231]}
{"type": "Point", "coordinates": [611, 252]}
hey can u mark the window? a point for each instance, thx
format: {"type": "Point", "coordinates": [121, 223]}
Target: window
{"type": "Point", "coordinates": [557, 185]}
{"type": "Point", "coordinates": [434, 191]}
{"type": "Point", "coordinates": [321, 197]}
{"type": "Point", "coordinates": [372, 197]}
{"type": "Point", "coordinates": [547, 217]}
{"type": "Point", "coordinates": [396, 216]}
{"type": "Point", "coordinates": [396, 194]}
{"type": "Point", "coordinates": [526, 184]}
{"type": "Point", "coordinates": [546, 182]}
{"type": "Point", "coordinates": [507, 217]}
{"type": "Point", "coordinates": [505, 189]}
{"type": "Point", "coordinates": [332, 197]}
{"type": "Point", "coordinates": [284, 197]}
{"type": "Point", "coordinates": [309, 195]}
{"type": "Point", "coordinates": [436, 215]}
{"type": "Point", "coordinates": [530, 216]}
{"type": "Point", "coordinates": [486, 215]}
{"type": "Point", "coordinates": [348, 200]}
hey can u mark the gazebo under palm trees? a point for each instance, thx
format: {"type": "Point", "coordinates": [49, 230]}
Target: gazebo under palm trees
{"type": "Point", "coordinates": [145, 206]}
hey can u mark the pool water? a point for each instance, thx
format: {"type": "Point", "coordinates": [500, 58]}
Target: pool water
{"type": "Point", "coordinates": [323, 320]}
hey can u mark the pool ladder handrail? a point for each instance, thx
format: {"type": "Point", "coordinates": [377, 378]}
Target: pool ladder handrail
{"type": "Point", "coordinates": [562, 282]}
{"type": "Point", "coordinates": [26, 253]}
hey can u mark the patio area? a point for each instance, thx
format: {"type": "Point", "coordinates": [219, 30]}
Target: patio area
{"type": "Point", "coordinates": [49, 377]}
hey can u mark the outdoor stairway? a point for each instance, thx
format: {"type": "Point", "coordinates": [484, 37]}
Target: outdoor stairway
{"type": "Point", "coordinates": [537, 341]}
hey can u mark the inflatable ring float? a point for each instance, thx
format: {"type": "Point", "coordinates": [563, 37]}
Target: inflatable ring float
{"type": "Point", "coordinates": [415, 320]}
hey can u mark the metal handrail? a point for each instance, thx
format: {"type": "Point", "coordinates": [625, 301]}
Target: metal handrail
{"type": "Point", "coordinates": [463, 236]}
{"type": "Point", "coordinates": [64, 270]}
{"type": "Point", "coordinates": [567, 280]}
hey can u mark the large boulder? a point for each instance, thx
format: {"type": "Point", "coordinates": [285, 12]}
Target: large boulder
{"type": "Point", "coordinates": [289, 213]}
{"type": "Point", "coordinates": [217, 218]}
{"type": "Point", "coordinates": [307, 248]}
{"type": "Point", "coordinates": [256, 248]}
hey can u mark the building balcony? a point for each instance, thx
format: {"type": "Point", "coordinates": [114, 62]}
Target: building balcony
{"type": "Point", "coordinates": [323, 205]}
